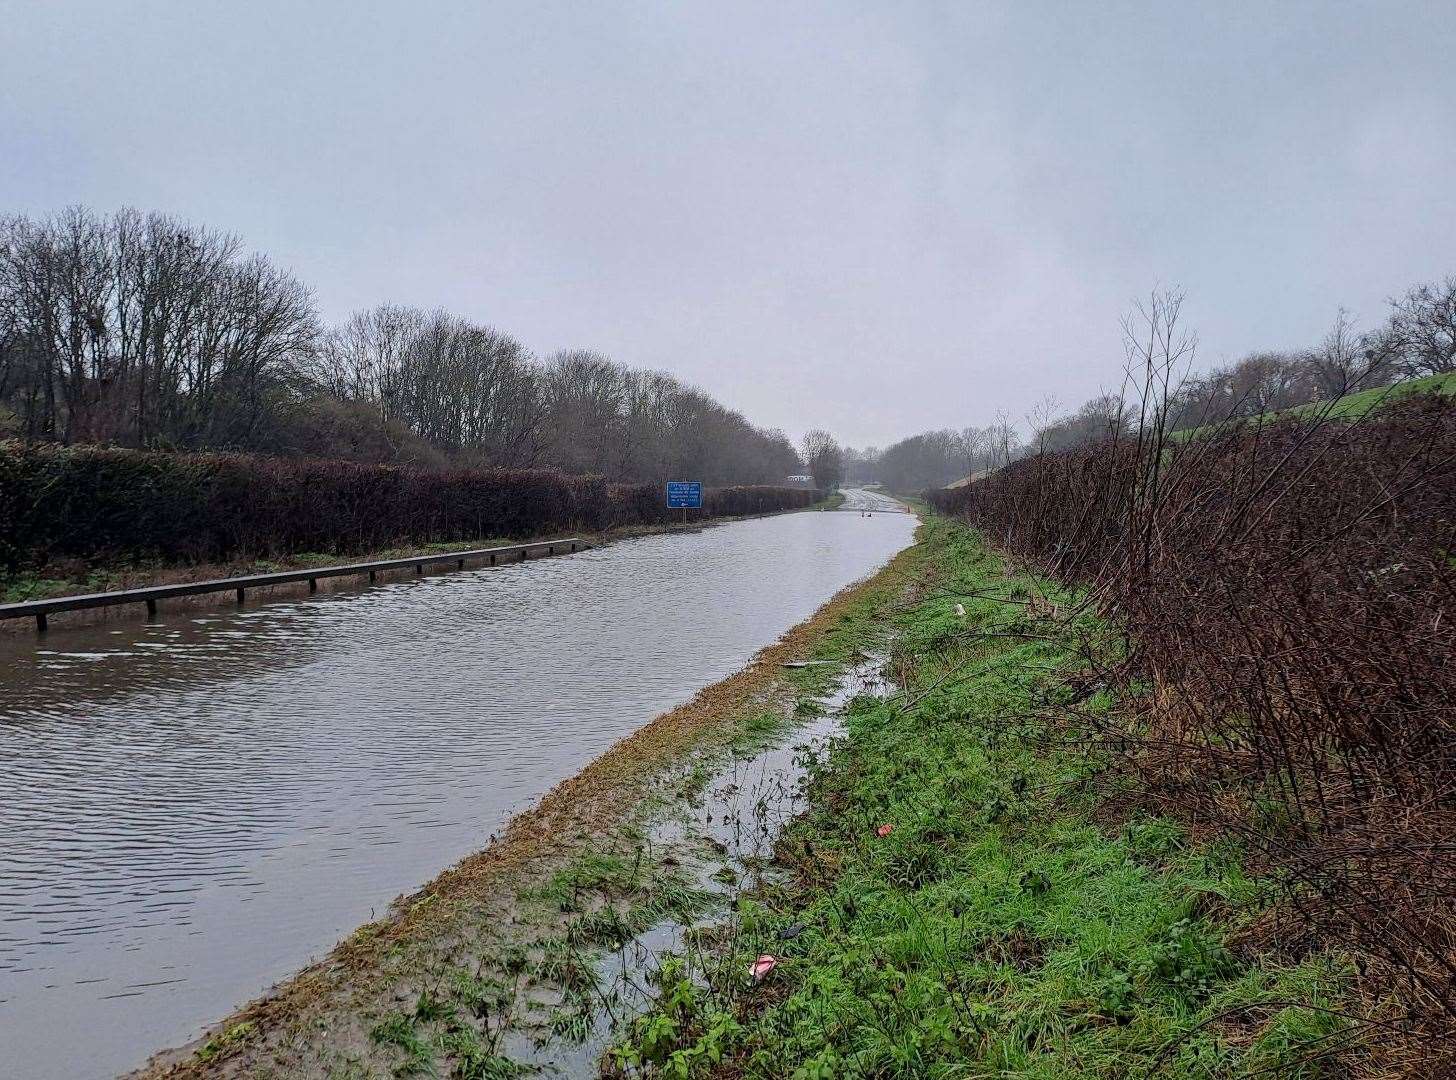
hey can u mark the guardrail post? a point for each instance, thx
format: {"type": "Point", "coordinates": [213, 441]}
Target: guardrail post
{"type": "Point", "coordinates": [40, 623]}
{"type": "Point", "coordinates": [240, 596]}
{"type": "Point", "coordinates": [459, 564]}
{"type": "Point", "coordinates": [371, 577]}
{"type": "Point", "coordinates": [151, 608]}
{"type": "Point", "coordinates": [492, 558]}
{"type": "Point", "coordinates": [419, 568]}
{"type": "Point", "coordinates": [313, 584]}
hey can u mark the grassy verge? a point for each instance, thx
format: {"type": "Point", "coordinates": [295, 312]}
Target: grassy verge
{"type": "Point", "coordinates": [833, 501]}
{"type": "Point", "coordinates": [959, 901]}
{"type": "Point", "coordinates": [1363, 401]}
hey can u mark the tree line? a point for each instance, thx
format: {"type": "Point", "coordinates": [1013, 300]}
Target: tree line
{"type": "Point", "coordinates": [934, 459]}
{"type": "Point", "coordinates": [1417, 338]}
{"type": "Point", "coordinates": [141, 330]}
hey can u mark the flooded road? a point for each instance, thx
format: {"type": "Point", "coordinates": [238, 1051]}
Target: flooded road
{"type": "Point", "coordinates": [865, 501]}
{"type": "Point", "coordinates": [195, 807]}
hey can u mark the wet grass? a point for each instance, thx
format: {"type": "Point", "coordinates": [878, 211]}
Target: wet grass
{"type": "Point", "coordinates": [543, 983]}
{"type": "Point", "coordinates": [224, 1041]}
{"type": "Point", "coordinates": [956, 904]}
{"type": "Point", "coordinates": [451, 1026]}
{"type": "Point", "coordinates": [832, 501]}
{"type": "Point", "coordinates": [65, 580]}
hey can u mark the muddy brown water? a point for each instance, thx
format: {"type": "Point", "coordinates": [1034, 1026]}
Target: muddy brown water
{"type": "Point", "coordinates": [195, 807]}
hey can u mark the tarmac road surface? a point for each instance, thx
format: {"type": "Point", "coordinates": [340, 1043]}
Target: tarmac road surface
{"type": "Point", "coordinates": [858, 499]}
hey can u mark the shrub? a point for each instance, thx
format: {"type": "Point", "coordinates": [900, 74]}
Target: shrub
{"type": "Point", "coordinates": [1288, 590]}
{"type": "Point", "coordinates": [99, 503]}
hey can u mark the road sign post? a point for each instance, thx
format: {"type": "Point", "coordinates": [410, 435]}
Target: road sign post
{"type": "Point", "coordinates": [684, 495]}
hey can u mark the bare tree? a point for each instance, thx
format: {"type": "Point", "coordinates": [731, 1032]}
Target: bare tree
{"type": "Point", "coordinates": [931, 459]}
{"type": "Point", "coordinates": [1159, 353]}
{"type": "Point", "coordinates": [1346, 361]}
{"type": "Point", "coordinates": [143, 329]}
{"type": "Point", "coordinates": [1420, 338]}
{"type": "Point", "coordinates": [1098, 420]}
{"type": "Point", "coordinates": [365, 359]}
{"type": "Point", "coordinates": [473, 390]}
{"type": "Point", "coordinates": [823, 458]}
{"type": "Point", "coordinates": [1040, 419]}
{"type": "Point", "coordinates": [974, 442]}
{"type": "Point", "coordinates": [585, 400]}
{"type": "Point", "coordinates": [1002, 442]}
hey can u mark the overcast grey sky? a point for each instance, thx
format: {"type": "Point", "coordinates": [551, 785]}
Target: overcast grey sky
{"type": "Point", "coordinates": [876, 217]}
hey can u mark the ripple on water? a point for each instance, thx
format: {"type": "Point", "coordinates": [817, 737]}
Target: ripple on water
{"type": "Point", "coordinates": [196, 806]}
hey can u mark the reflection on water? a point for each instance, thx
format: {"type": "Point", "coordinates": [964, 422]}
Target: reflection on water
{"type": "Point", "coordinates": [193, 808]}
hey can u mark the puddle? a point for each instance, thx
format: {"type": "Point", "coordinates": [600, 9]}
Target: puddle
{"type": "Point", "coordinates": [724, 839]}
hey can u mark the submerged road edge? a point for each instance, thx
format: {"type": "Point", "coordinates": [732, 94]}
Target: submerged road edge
{"type": "Point", "coordinates": [283, 1027]}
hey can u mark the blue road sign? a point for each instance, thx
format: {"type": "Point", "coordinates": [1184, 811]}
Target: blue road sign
{"type": "Point", "coordinates": [684, 494]}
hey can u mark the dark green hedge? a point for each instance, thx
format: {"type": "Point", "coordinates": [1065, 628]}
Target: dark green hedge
{"type": "Point", "coordinates": [100, 503]}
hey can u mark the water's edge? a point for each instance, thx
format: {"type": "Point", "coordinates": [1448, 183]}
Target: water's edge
{"type": "Point", "coordinates": [292, 759]}
{"type": "Point", "coordinates": [647, 793]}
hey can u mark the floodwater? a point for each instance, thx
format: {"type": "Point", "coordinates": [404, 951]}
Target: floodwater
{"type": "Point", "coordinates": [733, 825]}
{"type": "Point", "coordinates": [196, 807]}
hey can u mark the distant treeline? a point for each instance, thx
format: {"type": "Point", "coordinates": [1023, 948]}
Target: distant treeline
{"type": "Point", "coordinates": [140, 330]}
{"type": "Point", "coordinates": [936, 458]}
{"type": "Point", "coordinates": [1417, 338]}
{"type": "Point", "coordinates": [109, 503]}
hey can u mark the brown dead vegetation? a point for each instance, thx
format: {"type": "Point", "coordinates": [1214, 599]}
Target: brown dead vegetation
{"type": "Point", "coordinates": [1286, 594]}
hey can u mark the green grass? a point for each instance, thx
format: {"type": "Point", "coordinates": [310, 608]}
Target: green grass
{"type": "Point", "coordinates": [1349, 407]}
{"type": "Point", "coordinates": [1363, 401]}
{"type": "Point", "coordinates": [596, 903]}
{"type": "Point", "coordinates": [1002, 927]}
{"type": "Point", "coordinates": [220, 1044]}
{"type": "Point", "coordinates": [444, 1025]}
{"type": "Point", "coordinates": [833, 501]}
{"type": "Point", "coordinates": [26, 585]}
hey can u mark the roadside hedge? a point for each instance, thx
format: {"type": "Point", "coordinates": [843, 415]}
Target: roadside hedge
{"type": "Point", "coordinates": [102, 503]}
{"type": "Point", "coordinates": [1287, 592]}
